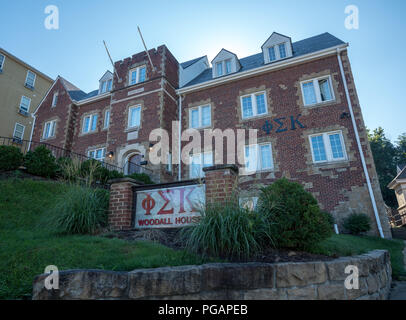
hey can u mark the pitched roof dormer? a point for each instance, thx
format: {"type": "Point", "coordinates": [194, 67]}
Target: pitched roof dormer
{"type": "Point", "coordinates": [225, 63]}
{"type": "Point", "coordinates": [277, 47]}
{"type": "Point", "coordinates": [106, 82]}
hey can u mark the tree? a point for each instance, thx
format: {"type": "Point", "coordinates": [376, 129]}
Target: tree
{"type": "Point", "coordinates": [385, 156]}
{"type": "Point", "coordinates": [401, 148]}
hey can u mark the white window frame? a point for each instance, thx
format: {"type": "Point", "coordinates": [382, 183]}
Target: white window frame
{"type": "Point", "coordinates": [129, 116]}
{"type": "Point", "coordinates": [2, 63]}
{"type": "Point", "coordinates": [277, 52]}
{"type": "Point", "coordinates": [202, 156]}
{"type": "Point", "coordinates": [199, 108]}
{"type": "Point", "coordinates": [254, 105]}
{"type": "Point", "coordinates": [105, 83]}
{"type": "Point", "coordinates": [259, 158]}
{"type": "Point", "coordinates": [52, 125]}
{"type": "Point", "coordinates": [137, 80]}
{"type": "Point", "coordinates": [225, 66]}
{"type": "Point", "coordinates": [91, 119]}
{"type": "Point", "coordinates": [26, 78]}
{"type": "Point", "coordinates": [94, 151]}
{"type": "Point", "coordinates": [29, 104]}
{"type": "Point", "coordinates": [54, 99]}
{"type": "Point", "coordinates": [15, 128]}
{"type": "Point", "coordinates": [317, 90]}
{"type": "Point", "coordinates": [106, 121]}
{"type": "Point", "coordinates": [327, 146]}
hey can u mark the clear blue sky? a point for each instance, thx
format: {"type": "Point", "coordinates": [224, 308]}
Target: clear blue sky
{"type": "Point", "coordinates": [194, 28]}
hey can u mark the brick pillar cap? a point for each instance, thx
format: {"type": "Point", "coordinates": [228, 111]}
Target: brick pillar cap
{"type": "Point", "coordinates": [222, 167]}
{"type": "Point", "coordinates": [122, 180]}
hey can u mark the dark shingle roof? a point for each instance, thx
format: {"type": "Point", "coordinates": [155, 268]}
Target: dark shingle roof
{"type": "Point", "coordinates": [190, 62]}
{"type": "Point", "coordinates": [309, 45]}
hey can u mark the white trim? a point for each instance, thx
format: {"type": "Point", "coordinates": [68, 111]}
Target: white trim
{"type": "Point", "coordinates": [317, 91]}
{"type": "Point", "coordinates": [14, 132]}
{"type": "Point", "coordinates": [254, 104]}
{"type": "Point", "coordinates": [258, 158]}
{"type": "Point", "coordinates": [91, 119]}
{"type": "Point", "coordinates": [105, 126]}
{"type": "Point", "coordinates": [45, 96]}
{"type": "Point", "coordinates": [29, 103]}
{"type": "Point", "coordinates": [51, 129]}
{"type": "Point", "coordinates": [2, 63]}
{"type": "Point", "coordinates": [95, 152]}
{"type": "Point", "coordinates": [364, 166]}
{"type": "Point", "coordinates": [138, 106]}
{"type": "Point", "coordinates": [137, 80]}
{"type": "Point", "coordinates": [55, 99]}
{"type": "Point", "coordinates": [200, 116]}
{"type": "Point", "coordinates": [327, 146]}
{"type": "Point", "coordinates": [265, 68]}
{"type": "Point", "coordinates": [26, 77]}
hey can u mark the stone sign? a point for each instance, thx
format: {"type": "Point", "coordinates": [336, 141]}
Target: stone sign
{"type": "Point", "coordinates": [169, 207]}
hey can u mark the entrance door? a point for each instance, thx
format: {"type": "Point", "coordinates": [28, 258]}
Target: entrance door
{"type": "Point", "coordinates": [134, 164]}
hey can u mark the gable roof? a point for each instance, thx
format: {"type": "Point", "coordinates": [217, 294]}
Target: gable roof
{"type": "Point", "coordinates": [225, 50]}
{"type": "Point", "coordinates": [306, 46]}
{"type": "Point", "coordinates": [75, 93]}
{"type": "Point", "coordinates": [276, 33]}
{"type": "Point", "coordinates": [187, 64]}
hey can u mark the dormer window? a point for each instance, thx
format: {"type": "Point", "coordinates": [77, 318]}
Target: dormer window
{"type": "Point", "coordinates": [277, 47]}
{"type": "Point", "coordinates": [106, 86]}
{"type": "Point", "coordinates": [225, 63]}
{"type": "Point", "coordinates": [137, 75]}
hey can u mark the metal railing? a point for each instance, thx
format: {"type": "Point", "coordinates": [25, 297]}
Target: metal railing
{"type": "Point", "coordinates": [131, 167]}
{"type": "Point", "coordinates": [57, 152]}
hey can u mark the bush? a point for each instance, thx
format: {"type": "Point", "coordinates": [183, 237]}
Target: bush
{"type": "Point", "coordinates": [296, 220]}
{"type": "Point", "coordinates": [10, 158]}
{"type": "Point", "coordinates": [229, 231]}
{"type": "Point", "coordinates": [114, 174]}
{"type": "Point", "coordinates": [41, 162]}
{"type": "Point", "coordinates": [80, 210]}
{"type": "Point", "coordinates": [357, 223]}
{"type": "Point", "coordinates": [142, 177]}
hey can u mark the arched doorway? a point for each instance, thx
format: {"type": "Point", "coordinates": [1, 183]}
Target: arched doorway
{"type": "Point", "coordinates": [134, 163]}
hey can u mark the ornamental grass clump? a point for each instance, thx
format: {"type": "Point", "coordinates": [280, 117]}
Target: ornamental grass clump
{"type": "Point", "coordinates": [228, 231]}
{"type": "Point", "coordinates": [81, 210]}
{"type": "Point", "coordinates": [357, 223]}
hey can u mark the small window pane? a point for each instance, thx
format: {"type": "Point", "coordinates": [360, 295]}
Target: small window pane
{"type": "Point", "coordinates": [194, 119]}
{"type": "Point", "coordinates": [325, 90]}
{"type": "Point", "coordinates": [18, 131]}
{"type": "Point", "coordinates": [134, 77]}
{"type": "Point", "coordinates": [272, 55]}
{"type": "Point", "coordinates": [104, 87]}
{"type": "Point", "coordinates": [1, 61]}
{"type": "Point", "coordinates": [309, 93]}
{"type": "Point", "coordinates": [206, 116]}
{"type": "Point", "coordinates": [219, 68]}
{"type": "Point", "coordinates": [228, 66]}
{"type": "Point", "coordinates": [336, 146]}
{"type": "Point", "coordinates": [109, 84]}
{"type": "Point", "coordinates": [195, 166]}
{"type": "Point", "coordinates": [142, 74]}
{"type": "Point", "coordinates": [94, 122]}
{"type": "Point", "coordinates": [135, 114]}
{"type": "Point", "coordinates": [247, 107]}
{"type": "Point", "coordinates": [30, 78]}
{"type": "Point", "coordinates": [25, 104]}
{"type": "Point", "coordinates": [251, 160]}
{"type": "Point", "coordinates": [266, 157]}
{"type": "Point", "coordinates": [99, 154]}
{"type": "Point", "coordinates": [261, 109]}
{"type": "Point", "coordinates": [52, 133]}
{"type": "Point", "coordinates": [86, 124]}
{"type": "Point", "coordinates": [91, 154]}
{"type": "Point", "coordinates": [282, 51]}
{"type": "Point", "coordinates": [319, 151]}
{"type": "Point", "coordinates": [55, 99]}
{"type": "Point", "coordinates": [107, 119]}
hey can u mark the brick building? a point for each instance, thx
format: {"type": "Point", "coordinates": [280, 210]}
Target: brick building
{"type": "Point", "coordinates": [309, 121]}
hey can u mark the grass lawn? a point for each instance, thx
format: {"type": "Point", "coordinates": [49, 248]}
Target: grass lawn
{"type": "Point", "coordinates": [347, 245]}
{"type": "Point", "coordinates": [27, 247]}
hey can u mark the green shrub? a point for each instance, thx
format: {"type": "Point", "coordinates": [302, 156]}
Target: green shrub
{"type": "Point", "coordinates": [80, 210]}
{"type": "Point", "coordinates": [41, 162]}
{"type": "Point", "coordinates": [229, 231]}
{"type": "Point", "coordinates": [296, 220]}
{"type": "Point", "coordinates": [114, 174]}
{"type": "Point", "coordinates": [93, 171]}
{"type": "Point", "coordinates": [142, 177]}
{"type": "Point", "coordinates": [10, 158]}
{"type": "Point", "coordinates": [357, 223]}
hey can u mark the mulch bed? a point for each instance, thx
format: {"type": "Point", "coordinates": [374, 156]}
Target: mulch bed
{"type": "Point", "coordinates": [170, 238]}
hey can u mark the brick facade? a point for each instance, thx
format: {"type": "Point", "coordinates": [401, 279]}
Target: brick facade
{"type": "Point", "coordinates": [221, 183]}
{"type": "Point", "coordinates": [340, 187]}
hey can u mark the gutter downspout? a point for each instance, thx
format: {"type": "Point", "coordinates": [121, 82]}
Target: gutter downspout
{"type": "Point", "coordinates": [179, 139]}
{"type": "Point", "coordinates": [32, 130]}
{"type": "Point", "coordinates": [371, 193]}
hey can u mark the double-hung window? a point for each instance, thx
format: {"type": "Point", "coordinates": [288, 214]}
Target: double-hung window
{"type": "Point", "coordinates": [228, 66]}
{"type": "Point", "coordinates": [219, 69]}
{"type": "Point", "coordinates": [317, 91]}
{"type": "Point", "coordinates": [282, 50]}
{"type": "Point", "coordinates": [258, 157]}
{"type": "Point", "coordinates": [253, 105]}
{"type": "Point", "coordinates": [90, 123]}
{"type": "Point", "coordinates": [106, 86]}
{"type": "Point", "coordinates": [138, 75]}
{"type": "Point", "coordinates": [272, 55]}
{"type": "Point", "coordinates": [30, 79]}
{"type": "Point", "coordinates": [2, 58]}
{"type": "Point", "coordinates": [18, 131]}
{"type": "Point", "coordinates": [200, 117]}
{"type": "Point", "coordinates": [54, 99]}
{"type": "Point", "coordinates": [327, 147]}
{"type": "Point", "coordinates": [98, 154]}
{"type": "Point", "coordinates": [106, 119]}
{"type": "Point", "coordinates": [25, 104]}
{"type": "Point", "coordinates": [49, 129]}
{"type": "Point", "coordinates": [199, 161]}
{"type": "Point", "coordinates": [134, 117]}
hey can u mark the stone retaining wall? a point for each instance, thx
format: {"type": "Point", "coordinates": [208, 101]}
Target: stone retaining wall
{"type": "Point", "coordinates": [305, 280]}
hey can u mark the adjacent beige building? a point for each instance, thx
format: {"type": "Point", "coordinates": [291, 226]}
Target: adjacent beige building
{"type": "Point", "coordinates": [22, 88]}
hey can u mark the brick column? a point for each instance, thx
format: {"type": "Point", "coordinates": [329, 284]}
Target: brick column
{"type": "Point", "coordinates": [121, 203]}
{"type": "Point", "coordinates": [221, 181]}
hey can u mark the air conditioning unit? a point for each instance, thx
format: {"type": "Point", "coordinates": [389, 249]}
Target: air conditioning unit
{"type": "Point", "coordinates": [24, 113]}
{"type": "Point", "coordinates": [29, 86]}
